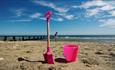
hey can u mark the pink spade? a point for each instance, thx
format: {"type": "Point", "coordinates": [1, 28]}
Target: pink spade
{"type": "Point", "coordinates": [48, 56]}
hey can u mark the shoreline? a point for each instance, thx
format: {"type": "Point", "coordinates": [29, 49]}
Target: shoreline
{"type": "Point", "coordinates": [109, 41]}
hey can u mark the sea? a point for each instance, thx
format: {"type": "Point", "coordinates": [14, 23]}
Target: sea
{"type": "Point", "coordinates": [99, 38]}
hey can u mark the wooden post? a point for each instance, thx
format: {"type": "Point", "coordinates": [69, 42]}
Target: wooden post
{"type": "Point", "coordinates": [22, 38]}
{"type": "Point", "coordinates": [14, 39]}
{"type": "Point", "coordinates": [5, 38]}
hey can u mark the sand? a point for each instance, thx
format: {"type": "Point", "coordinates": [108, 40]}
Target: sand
{"type": "Point", "coordinates": [28, 55]}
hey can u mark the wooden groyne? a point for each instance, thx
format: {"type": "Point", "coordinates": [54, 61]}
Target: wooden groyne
{"type": "Point", "coordinates": [23, 37]}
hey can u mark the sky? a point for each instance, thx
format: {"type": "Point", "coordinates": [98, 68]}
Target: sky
{"type": "Point", "coordinates": [69, 17]}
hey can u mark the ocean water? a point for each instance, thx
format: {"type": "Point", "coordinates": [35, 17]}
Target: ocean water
{"type": "Point", "coordinates": [101, 38]}
{"type": "Point", "coordinates": [88, 36]}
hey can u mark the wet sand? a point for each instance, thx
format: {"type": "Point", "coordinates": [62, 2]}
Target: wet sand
{"type": "Point", "coordinates": [28, 55]}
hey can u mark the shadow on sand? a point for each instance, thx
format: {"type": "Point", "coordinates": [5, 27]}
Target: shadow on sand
{"type": "Point", "coordinates": [23, 59]}
{"type": "Point", "coordinates": [60, 60]}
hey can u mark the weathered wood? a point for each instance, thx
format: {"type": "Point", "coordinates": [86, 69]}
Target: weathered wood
{"type": "Point", "coordinates": [5, 38]}
{"type": "Point", "coordinates": [23, 38]}
{"type": "Point", "coordinates": [14, 39]}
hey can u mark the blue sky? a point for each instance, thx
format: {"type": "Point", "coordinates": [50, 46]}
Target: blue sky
{"type": "Point", "coordinates": [79, 17]}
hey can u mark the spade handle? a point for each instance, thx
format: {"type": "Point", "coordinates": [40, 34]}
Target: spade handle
{"type": "Point", "coordinates": [48, 34]}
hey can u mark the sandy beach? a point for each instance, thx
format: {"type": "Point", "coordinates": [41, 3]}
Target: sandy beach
{"type": "Point", "coordinates": [28, 55]}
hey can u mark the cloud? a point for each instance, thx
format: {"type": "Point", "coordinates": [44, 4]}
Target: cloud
{"type": "Point", "coordinates": [103, 5]}
{"type": "Point", "coordinates": [92, 12]}
{"type": "Point", "coordinates": [62, 11]}
{"type": "Point", "coordinates": [54, 19]}
{"type": "Point", "coordinates": [101, 8]}
{"type": "Point", "coordinates": [108, 23]}
{"type": "Point", "coordinates": [66, 16]}
{"type": "Point", "coordinates": [19, 12]}
{"type": "Point", "coordinates": [93, 3]}
{"type": "Point", "coordinates": [21, 20]}
{"type": "Point", "coordinates": [112, 13]}
{"type": "Point", "coordinates": [58, 19]}
{"type": "Point", "coordinates": [51, 5]}
{"type": "Point", "coordinates": [92, 8]}
{"type": "Point", "coordinates": [107, 7]}
{"type": "Point", "coordinates": [76, 6]}
{"type": "Point", "coordinates": [42, 18]}
{"type": "Point", "coordinates": [101, 20]}
{"type": "Point", "coordinates": [97, 6]}
{"type": "Point", "coordinates": [24, 20]}
{"type": "Point", "coordinates": [69, 17]}
{"type": "Point", "coordinates": [35, 15]}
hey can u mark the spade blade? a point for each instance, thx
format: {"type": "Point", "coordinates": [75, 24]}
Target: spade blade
{"type": "Point", "coordinates": [48, 58]}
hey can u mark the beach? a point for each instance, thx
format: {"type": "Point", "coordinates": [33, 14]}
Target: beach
{"type": "Point", "coordinates": [28, 55]}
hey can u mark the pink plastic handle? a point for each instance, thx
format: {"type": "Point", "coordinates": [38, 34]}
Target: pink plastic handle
{"type": "Point", "coordinates": [48, 14]}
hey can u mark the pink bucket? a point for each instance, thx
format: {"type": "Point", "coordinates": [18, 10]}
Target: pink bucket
{"type": "Point", "coordinates": [71, 52]}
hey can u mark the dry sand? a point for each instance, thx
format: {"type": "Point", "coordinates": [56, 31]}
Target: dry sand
{"type": "Point", "coordinates": [28, 55]}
